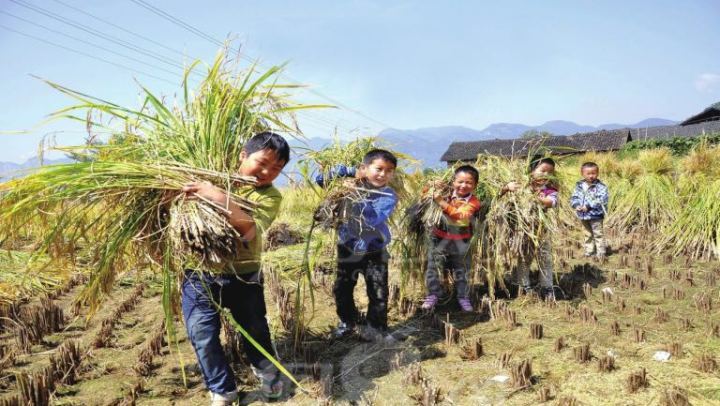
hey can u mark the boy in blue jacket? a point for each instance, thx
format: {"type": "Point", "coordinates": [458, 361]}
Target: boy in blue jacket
{"type": "Point", "coordinates": [590, 201]}
{"type": "Point", "coordinates": [362, 245]}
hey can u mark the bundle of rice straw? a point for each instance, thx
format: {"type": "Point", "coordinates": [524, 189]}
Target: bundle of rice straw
{"type": "Point", "coordinates": [647, 200]}
{"type": "Point", "coordinates": [696, 229]}
{"type": "Point", "coordinates": [515, 222]}
{"type": "Point", "coordinates": [122, 197]}
{"type": "Point", "coordinates": [423, 214]}
{"type": "Point", "coordinates": [339, 193]}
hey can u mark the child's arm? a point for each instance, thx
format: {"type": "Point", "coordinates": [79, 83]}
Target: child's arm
{"type": "Point", "coordinates": [548, 200]}
{"type": "Point", "coordinates": [602, 197]}
{"type": "Point", "coordinates": [510, 187]}
{"type": "Point", "coordinates": [242, 221]}
{"type": "Point", "coordinates": [379, 210]}
{"type": "Point", "coordinates": [463, 212]}
{"type": "Point", "coordinates": [576, 200]}
{"type": "Point", "coordinates": [340, 171]}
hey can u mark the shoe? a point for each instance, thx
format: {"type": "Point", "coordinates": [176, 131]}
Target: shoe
{"type": "Point", "coordinates": [429, 302]}
{"type": "Point", "coordinates": [375, 335]}
{"type": "Point", "coordinates": [465, 304]}
{"type": "Point", "coordinates": [527, 290]}
{"type": "Point", "coordinates": [271, 384]}
{"type": "Point", "coordinates": [548, 294]}
{"type": "Point", "coordinates": [223, 399]}
{"type": "Point", "coordinates": [370, 334]}
{"type": "Point", "coordinates": [343, 330]}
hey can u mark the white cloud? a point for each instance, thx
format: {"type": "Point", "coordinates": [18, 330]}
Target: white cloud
{"type": "Point", "coordinates": [707, 82]}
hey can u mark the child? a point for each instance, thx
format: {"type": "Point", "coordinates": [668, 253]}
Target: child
{"type": "Point", "coordinates": [450, 241]}
{"type": "Point", "coordinates": [541, 170]}
{"type": "Point", "coordinates": [361, 246]}
{"type": "Point", "coordinates": [590, 200]}
{"type": "Point", "coordinates": [238, 286]}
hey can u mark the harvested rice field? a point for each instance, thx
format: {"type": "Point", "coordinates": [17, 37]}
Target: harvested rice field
{"type": "Point", "coordinates": [638, 329]}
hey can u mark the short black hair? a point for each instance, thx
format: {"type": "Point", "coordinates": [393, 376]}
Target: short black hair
{"type": "Point", "coordinates": [385, 155]}
{"type": "Point", "coordinates": [588, 165]}
{"type": "Point", "coordinates": [537, 160]}
{"type": "Point", "coordinates": [469, 169]}
{"type": "Point", "coordinates": [271, 141]}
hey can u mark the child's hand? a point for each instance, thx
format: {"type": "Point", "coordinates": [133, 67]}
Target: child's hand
{"type": "Point", "coordinates": [584, 209]}
{"type": "Point", "coordinates": [204, 191]}
{"type": "Point", "coordinates": [513, 186]}
{"type": "Point", "coordinates": [349, 183]}
{"type": "Point", "coordinates": [360, 172]}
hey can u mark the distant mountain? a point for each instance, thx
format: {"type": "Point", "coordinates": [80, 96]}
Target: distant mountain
{"type": "Point", "coordinates": [424, 144]}
{"type": "Point", "coordinates": [653, 122]}
{"type": "Point", "coordinates": [9, 170]}
{"type": "Point", "coordinates": [428, 144]}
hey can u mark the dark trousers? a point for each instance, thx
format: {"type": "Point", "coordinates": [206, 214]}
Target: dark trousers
{"type": "Point", "coordinates": [243, 296]}
{"type": "Point", "coordinates": [374, 268]}
{"type": "Point", "coordinates": [452, 255]}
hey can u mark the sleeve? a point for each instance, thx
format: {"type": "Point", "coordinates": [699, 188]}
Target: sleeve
{"type": "Point", "coordinates": [379, 210]}
{"type": "Point", "coordinates": [604, 198]}
{"type": "Point", "coordinates": [464, 211]}
{"type": "Point", "coordinates": [576, 198]}
{"type": "Point", "coordinates": [552, 194]}
{"type": "Point", "coordinates": [266, 209]}
{"type": "Point", "coordinates": [339, 171]}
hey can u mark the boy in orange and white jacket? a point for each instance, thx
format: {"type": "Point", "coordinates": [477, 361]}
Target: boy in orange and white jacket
{"type": "Point", "coordinates": [450, 241]}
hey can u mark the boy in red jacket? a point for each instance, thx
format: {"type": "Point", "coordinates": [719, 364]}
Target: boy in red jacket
{"type": "Point", "coordinates": [450, 241]}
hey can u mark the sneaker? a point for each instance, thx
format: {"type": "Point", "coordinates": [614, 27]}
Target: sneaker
{"type": "Point", "coordinates": [271, 384]}
{"type": "Point", "coordinates": [343, 330]}
{"type": "Point", "coordinates": [465, 304]}
{"type": "Point", "coordinates": [429, 302]}
{"type": "Point", "coordinates": [223, 399]}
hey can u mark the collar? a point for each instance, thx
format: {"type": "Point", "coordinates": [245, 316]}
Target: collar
{"type": "Point", "coordinates": [466, 198]}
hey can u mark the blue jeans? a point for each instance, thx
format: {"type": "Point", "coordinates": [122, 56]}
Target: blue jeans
{"type": "Point", "coordinates": [243, 296]}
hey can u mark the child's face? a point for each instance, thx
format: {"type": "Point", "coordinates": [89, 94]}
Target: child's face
{"type": "Point", "coordinates": [463, 184]}
{"type": "Point", "coordinates": [541, 174]}
{"type": "Point", "coordinates": [589, 174]}
{"type": "Point", "coordinates": [264, 165]}
{"type": "Point", "coordinates": [379, 172]}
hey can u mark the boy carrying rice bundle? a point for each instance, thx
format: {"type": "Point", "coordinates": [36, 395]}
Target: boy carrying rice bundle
{"type": "Point", "coordinates": [362, 240]}
{"type": "Point", "coordinates": [187, 185]}
{"type": "Point", "coordinates": [520, 225]}
{"type": "Point", "coordinates": [449, 244]}
{"type": "Point", "coordinates": [238, 286]}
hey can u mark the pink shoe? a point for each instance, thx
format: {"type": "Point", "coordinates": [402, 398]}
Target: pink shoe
{"type": "Point", "coordinates": [429, 302]}
{"type": "Point", "coordinates": [465, 304]}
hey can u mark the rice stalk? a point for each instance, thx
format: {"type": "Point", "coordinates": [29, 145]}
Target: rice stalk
{"type": "Point", "coordinates": [123, 193]}
{"type": "Point", "coordinates": [516, 222]}
{"type": "Point", "coordinates": [696, 230]}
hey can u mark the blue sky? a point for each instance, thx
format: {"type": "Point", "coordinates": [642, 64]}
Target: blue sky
{"type": "Point", "coordinates": [403, 64]}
